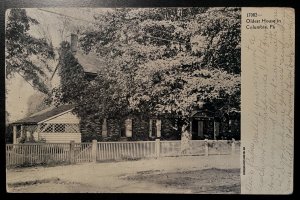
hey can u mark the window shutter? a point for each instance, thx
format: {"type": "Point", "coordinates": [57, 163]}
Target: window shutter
{"type": "Point", "coordinates": [158, 128]}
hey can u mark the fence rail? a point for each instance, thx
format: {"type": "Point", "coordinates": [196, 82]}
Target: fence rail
{"type": "Point", "coordinates": [64, 153]}
{"type": "Point", "coordinates": [30, 154]}
{"type": "Point", "coordinates": [83, 152]}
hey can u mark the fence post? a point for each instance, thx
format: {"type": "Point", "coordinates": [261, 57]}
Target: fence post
{"type": "Point", "coordinates": [206, 147]}
{"type": "Point", "coordinates": [14, 134]}
{"type": "Point", "coordinates": [94, 151]}
{"type": "Point", "coordinates": [72, 152]}
{"type": "Point", "coordinates": [157, 147]}
{"type": "Point", "coordinates": [233, 146]}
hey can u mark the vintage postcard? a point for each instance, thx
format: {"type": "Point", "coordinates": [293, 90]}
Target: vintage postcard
{"type": "Point", "coordinates": [150, 100]}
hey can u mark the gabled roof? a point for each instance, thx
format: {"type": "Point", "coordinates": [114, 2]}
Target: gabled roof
{"type": "Point", "coordinates": [90, 62]}
{"type": "Point", "coordinates": [44, 114]}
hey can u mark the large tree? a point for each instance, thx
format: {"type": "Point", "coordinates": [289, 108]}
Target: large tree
{"type": "Point", "coordinates": [25, 54]}
{"type": "Point", "coordinates": [163, 61]}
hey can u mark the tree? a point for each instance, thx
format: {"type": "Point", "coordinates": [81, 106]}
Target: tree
{"type": "Point", "coordinates": [103, 93]}
{"type": "Point", "coordinates": [103, 97]}
{"type": "Point", "coordinates": [167, 61]}
{"type": "Point", "coordinates": [25, 54]}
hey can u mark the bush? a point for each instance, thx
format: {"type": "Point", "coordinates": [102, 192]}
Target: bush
{"type": "Point", "coordinates": [9, 134]}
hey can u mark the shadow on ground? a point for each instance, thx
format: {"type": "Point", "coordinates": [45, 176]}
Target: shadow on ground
{"type": "Point", "coordinates": [211, 180]}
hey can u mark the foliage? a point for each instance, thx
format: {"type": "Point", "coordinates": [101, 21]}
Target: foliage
{"type": "Point", "coordinates": [71, 74]}
{"type": "Point", "coordinates": [160, 61]}
{"type": "Point", "coordinates": [25, 54]}
{"type": "Point", "coordinates": [8, 134]}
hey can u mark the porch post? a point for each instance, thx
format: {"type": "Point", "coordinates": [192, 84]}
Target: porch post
{"type": "Point", "coordinates": [14, 134]}
{"type": "Point", "coordinates": [38, 129]}
{"type": "Point", "coordinates": [21, 133]}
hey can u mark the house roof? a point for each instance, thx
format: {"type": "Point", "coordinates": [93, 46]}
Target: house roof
{"type": "Point", "coordinates": [44, 114]}
{"type": "Point", "coordinates": [90, 62]}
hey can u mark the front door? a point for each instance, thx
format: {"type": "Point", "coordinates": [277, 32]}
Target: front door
{"type": "Point", "coordinates": [199, 129]}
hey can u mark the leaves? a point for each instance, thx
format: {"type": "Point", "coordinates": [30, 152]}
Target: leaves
{"type": "Point", "coordinates": [160, 61]}
{"type": "Point", "coordinates": [25, 54]}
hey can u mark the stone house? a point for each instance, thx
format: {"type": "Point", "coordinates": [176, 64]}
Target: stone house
{"type": "Point", "coordinates": [203, 123]}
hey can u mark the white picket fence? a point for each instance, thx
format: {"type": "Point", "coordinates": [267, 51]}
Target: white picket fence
{"type": "Point", "coordinates": [29, 154]}
{"type": "Point", "coordinates": [70, 153]}
{"type": "Point", "coordinates": [48, 153]}
{"type": "Point", "coordinates": [125, 150]}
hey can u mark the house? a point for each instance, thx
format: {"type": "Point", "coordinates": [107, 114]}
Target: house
{"type": "Point", "coordinates": [60, 125]}
{"type": "Point", "coordinates": [52, 125]}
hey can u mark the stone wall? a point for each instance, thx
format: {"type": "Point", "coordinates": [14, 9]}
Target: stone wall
{"type": "Point", "coordinates": [113, 127]}
{"type": "Point", "coordinates": [169, 129]}
{"type": "Point", "coordinates": [90, 129]}
{"type": "Point", "coordinates": [140, 130]}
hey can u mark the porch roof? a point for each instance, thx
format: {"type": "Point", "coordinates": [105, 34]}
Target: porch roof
{"type": "Point", "coordinates": [43, 115]}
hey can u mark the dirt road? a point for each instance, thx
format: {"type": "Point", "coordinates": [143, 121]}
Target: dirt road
{"type": "Point", "coordinates": [191, 174]}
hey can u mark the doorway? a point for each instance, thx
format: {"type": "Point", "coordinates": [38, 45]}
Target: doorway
{"type": "Point", "coordinates": [199, 129]}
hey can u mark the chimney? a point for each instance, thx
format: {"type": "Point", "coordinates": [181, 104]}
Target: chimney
{"type": "Point", "coordinates": [74, 42]}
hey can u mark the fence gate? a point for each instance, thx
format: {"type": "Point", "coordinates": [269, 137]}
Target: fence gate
{"type": "Point", "coordinates": [83, 152]}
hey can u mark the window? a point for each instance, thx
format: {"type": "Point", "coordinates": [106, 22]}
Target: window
{"type": "Point", "coordinates": [128, 127]}
{"type": "Point", "coordinates": [155, 128]}
{"type": "Point", "coordinates": [152, 128]}
{"type": "Point", "coordinates": [59, 128]}
{"type": "Point", "coordinates": [123, 134]}
{"type": "Point", "coordinates": [48, 128]}
{"type": "Point", "coordinates": [72, 128]}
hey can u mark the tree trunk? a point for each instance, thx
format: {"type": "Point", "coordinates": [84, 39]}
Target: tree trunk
{"type": "Point", "coordinates": [186, 136]}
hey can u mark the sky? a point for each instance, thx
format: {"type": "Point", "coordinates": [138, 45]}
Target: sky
{"type": "Point", "coordinates": [51, 24]}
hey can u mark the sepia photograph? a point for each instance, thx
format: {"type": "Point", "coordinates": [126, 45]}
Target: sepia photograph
{"type": "Point", "coordinates": [123, 100]}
